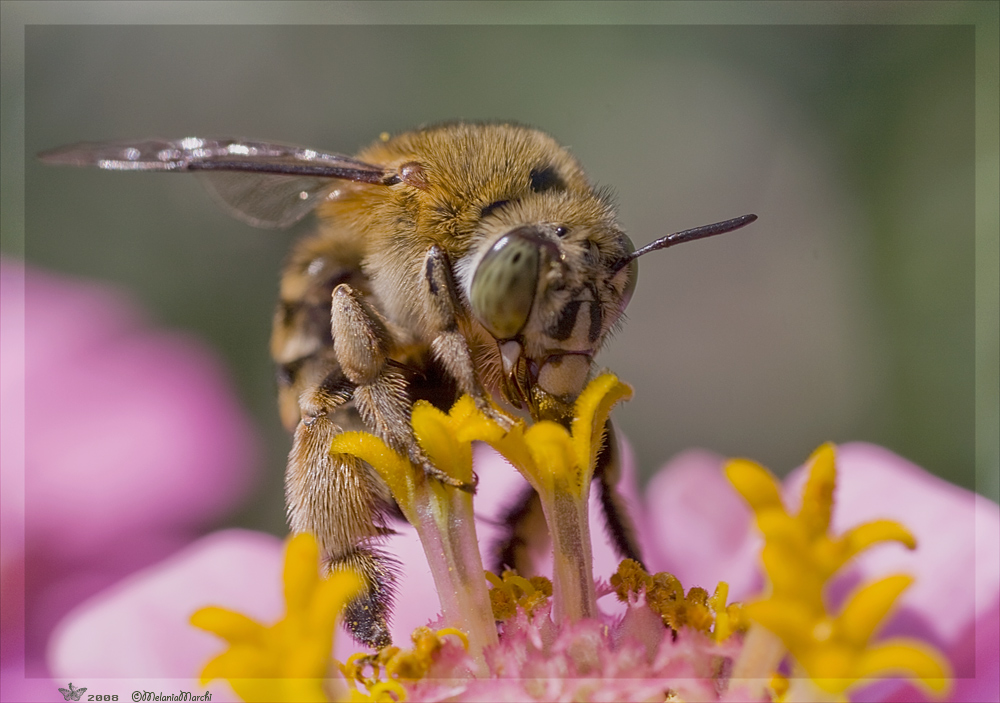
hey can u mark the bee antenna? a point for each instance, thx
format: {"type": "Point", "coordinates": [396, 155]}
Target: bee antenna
{"type": "Point", "coordinates": [688, 235]}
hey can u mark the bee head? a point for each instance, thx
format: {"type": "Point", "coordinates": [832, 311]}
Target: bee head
{"type": "Point", "coordinates": [544, 267]}
{"type": "Point", "coordinates": [546, 283]}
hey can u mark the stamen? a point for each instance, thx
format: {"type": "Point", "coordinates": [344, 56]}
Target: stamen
{"type": "Point", "coordinates": [559, 465]}
{"type": "Point", "coordinates": [457, 633]}
{"type": "Point", "coordinates": [664, 594]}
{"type": "Point", "coordinates": [511, 592]}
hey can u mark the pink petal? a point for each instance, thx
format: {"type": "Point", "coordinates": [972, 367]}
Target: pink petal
{"type": "Point", "coordinates": [139, 627]}
{"type": "Point", "coordinates": [54, 587]}
{"type": "Point", "coordinates": [981, 644]}
{"type": "Point", "coordinates": [983, 637]}
{"type": "Point", "coordinates": [126, 426]}
{"type": "Point", "coordinates": [144, 618]}
{"type": "Point", "coordinates": [127, 436]}
{"type": "Point", "coordinates": [123, 426]}
{"type": "Point", "coordinates": [699, 528]}
{"type": "Point", "coordinates": [18, 688]}
{"type": "Point", "coordinates": [12, 414]}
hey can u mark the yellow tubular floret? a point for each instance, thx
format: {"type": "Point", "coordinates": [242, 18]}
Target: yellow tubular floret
{"type": "Point", "coordinates": [231, 626]}
{"type": "Point", "coordinates": [907, 657]}
{"type": "Point", "coordinates": [394, 468]}
{"type": "Point", "coordinates": [553, 456]}
{"type": "Point", "coordinates": [868, 607]}
{"type": "Point", "coordinates": [591, 413]}
{"type": "Point", "coordinates": [817, 497]}
{"type": "Point", "coordinates": [756, 485]}
{"type": "Point", "coordinates": [290, 660]}
{"type": "Point", "coordinates": [860, 538]}
{"type": "Point", "coordinates": [447, 438]}
{"type": "Point", "coordinates": [441, 514]}
{"type": "Point", "coordinates": [800, 558]}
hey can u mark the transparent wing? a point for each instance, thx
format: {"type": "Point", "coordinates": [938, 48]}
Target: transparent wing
{"type": "Point", "coordinates": [197, 154]}
{"type": "Point", "coordinates": [262, 183]}
{"type": "Point", "coordinates": [265, 200]}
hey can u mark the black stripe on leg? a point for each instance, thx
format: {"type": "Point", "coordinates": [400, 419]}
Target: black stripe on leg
{"type": "Point", "coordinates": [617, 524]}
{"type": "Point", "coordinates": [513, 547]}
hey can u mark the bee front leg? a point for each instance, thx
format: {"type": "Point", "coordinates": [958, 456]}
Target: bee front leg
{"type": "Point", "coordinates": [449, 346]}
{"type": "Point", "coordinates": [362, 345]}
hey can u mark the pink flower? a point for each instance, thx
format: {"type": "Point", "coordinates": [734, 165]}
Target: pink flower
{"type": "Point", "coordinates": [692, 523]}
{"type": "Point", "coordinates": [954, 603]}
{"type": "Point", "coordinates": [120, 444]}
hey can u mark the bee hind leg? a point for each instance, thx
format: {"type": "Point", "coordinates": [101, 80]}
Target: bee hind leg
{"type": "Point", "coordinates": [367, 615]}
{"type": "Point", "coordinates": [341, 501]}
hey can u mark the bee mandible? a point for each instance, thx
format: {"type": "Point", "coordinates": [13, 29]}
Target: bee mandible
{"type": "Point", "coordinates": [462, 258]}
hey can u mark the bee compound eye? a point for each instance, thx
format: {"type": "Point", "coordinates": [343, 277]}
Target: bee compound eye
{"type": "Point", "coordinates": [504, 284]}
{"type": "Point", "coordinates": [630, 271]}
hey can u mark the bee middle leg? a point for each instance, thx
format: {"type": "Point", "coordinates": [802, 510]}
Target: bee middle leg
{"type": "Point", "coordinates": [526, 535]}
{"type": "Point", "coordinates": [618, 524]}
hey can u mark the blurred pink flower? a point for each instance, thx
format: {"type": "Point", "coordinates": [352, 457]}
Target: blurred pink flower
{"type": "Point", "coordinates": [692, 523]}
{"type": "Point", "coordinates": [120, 444]}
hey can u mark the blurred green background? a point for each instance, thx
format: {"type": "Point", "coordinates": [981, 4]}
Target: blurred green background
{"type": "Point", "coordinates": [847, 312]}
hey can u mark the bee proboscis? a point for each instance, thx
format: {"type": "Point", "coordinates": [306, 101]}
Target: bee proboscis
{"type": "Point", "coordinates": [463, 258]}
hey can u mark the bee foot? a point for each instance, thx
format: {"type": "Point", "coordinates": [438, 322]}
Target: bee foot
{"type": "Point", "coordinates": [367, 622]}
{"type": "Point", "coordinates": [448, 480]}
{"type": "Point", "coordinates": [505, 421]}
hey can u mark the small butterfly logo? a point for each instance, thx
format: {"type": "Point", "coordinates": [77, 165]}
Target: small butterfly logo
{"type": "Point", "coordinates": [72, 694]}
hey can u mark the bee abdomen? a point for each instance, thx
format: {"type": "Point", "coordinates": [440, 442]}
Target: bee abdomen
{"type": "Point", "coordinates": [301, 342]}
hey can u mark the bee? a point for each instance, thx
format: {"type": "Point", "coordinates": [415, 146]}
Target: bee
{"type": "Point", "coordinates": [462, 258]}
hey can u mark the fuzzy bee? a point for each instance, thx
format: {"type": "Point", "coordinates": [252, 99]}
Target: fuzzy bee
{"type": "Point", "coordinates": [456, 259]}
